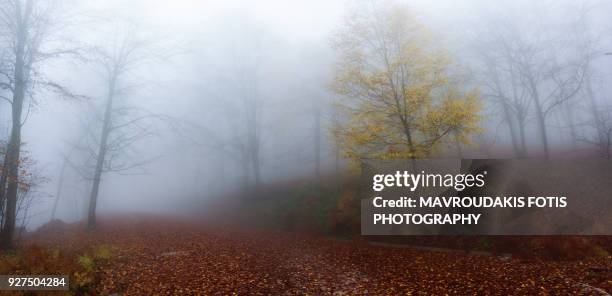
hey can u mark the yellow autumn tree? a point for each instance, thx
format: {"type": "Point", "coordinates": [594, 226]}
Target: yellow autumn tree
{"type": "Point", "coordinates": [398, 96]}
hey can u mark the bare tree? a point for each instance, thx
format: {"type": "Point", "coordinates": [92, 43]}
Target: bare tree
{"type": "Point", "coordinates": [241, 103]}
{"type": "Point", "coordinates": [602, 125]}
{"type": "Point", "coordinates": [247, 63]}
{"type": "Point", "coordinates": [537, 71]}
{"type": "Point", "coordinates": [317, 138]}
{"type": "Point", "coordinates": [229, 143]}
{"type": "Point", "coordinates": [60, 183]}
{"type": "Point", "coordinates": [120, 125]}
{"type": "Point", "coordinates": [60, 186]}
{"type": "Point", "coordinates": [600, 117]}
{"type": "Point", "coordinates": [600, 113]}
{"type": "Point", "coordinates": [27, 32]}
{"type": "Point", "coordinates": [501, 83]}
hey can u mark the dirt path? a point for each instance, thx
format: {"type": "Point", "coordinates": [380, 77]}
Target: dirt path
{"type": "Point", "coordinates": [170, 258]}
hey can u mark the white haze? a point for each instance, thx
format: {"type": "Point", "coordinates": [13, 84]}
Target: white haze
{"type": "Point", "coordinates": [193, 84]}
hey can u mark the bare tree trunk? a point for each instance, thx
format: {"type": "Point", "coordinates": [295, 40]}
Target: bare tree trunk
{"type": "Point", "coordinates": [408, 135]}
{"type": "Point", "coordinates": [255, 161]}
{"type": "Point", "coordinates": [12, 167]}
{"type": "Point", "coordinates": [106, 128]}
{"type": "Point", "coordinates": [244, 164]}
{"type": "Point", "coordinates": [540, 118]}
{"type": "Point", "coordinates": [569, 111]}
{"type": "Point", "coordinates": [3, 195]}
{"type": "Point", "coordinates": [13, 152]}
{"type": "Point", "coordinates": [253, 149]}
{"type": "Point", "coordinates": [60, 184]}
{"type": "Point", "coordinates": [542, 126]}
{"type": "Point", "coordinates": [458, 148]}
{"type": "Point", "coordinates": [603, 135]}
{"type": "Point", "coordinates": [523, 143]}
{"type": "Point", "coordinates": [317, 140]}
{"type": "Point", "coordinates": [511, 128]}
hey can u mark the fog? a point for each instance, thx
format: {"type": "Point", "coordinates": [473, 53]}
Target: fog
{"type": "Point", "coordinates": [217, 82]}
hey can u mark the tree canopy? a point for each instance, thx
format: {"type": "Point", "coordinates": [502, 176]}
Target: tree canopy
{"type": "Point", "coordinates": [400, 94]}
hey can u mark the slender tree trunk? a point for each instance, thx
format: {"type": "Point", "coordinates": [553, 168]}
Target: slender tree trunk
{"type": "Point", "coordinates": [337, 151]}
{"type": "Point", "coordinates": [602, 133]}
{"type": "Point", "coordinates": [540, 119]}
{"type": "Point", "coordinates": [12, 167]}
{"type": "Point", "coordinates": [58, 193]}
{"type": "Point", "coordinates": [256, 166]}
{"type": "Point", "coordinates": [569, 111]}
{"type": "Point", "coordinates": [11, 162]}
{"type": "Point", "coordinates": [244, 164]}
{"type": "Point", "coordinates": [106, 127]}
{"type": "Point", "coordinates": [511, 128]}
{"type": "Point", "coordinates": [253, 142]}
{"type": "Point", "coordinates": [458, 148]}
{"type": "Point", "coordinates": [317, 140]}
{"type": "Point", "coordinates": [408, 135]}
{"type": "Point", "coordinates": [3, 194]}
{"type": "Point", "coordinates": [523, 142]}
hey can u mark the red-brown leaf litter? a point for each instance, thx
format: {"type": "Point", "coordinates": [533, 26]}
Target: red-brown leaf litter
{"type": "Point", "coordinates": [166, 256]}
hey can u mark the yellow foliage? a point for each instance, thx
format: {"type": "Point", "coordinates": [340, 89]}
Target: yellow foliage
{"type": "Point", "coordinates": [86, 262]}
{"type": "Point", "coordinates": [103, 252]}
{"type": "Point", "coordinates": [400, 96]}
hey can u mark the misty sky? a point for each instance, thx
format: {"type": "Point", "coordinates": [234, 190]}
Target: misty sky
{"type": "Point", "coordinates": [294, 72]}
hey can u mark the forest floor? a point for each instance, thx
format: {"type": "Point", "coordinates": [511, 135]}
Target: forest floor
{"type": "Point", "coordinates": [164, 256]}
